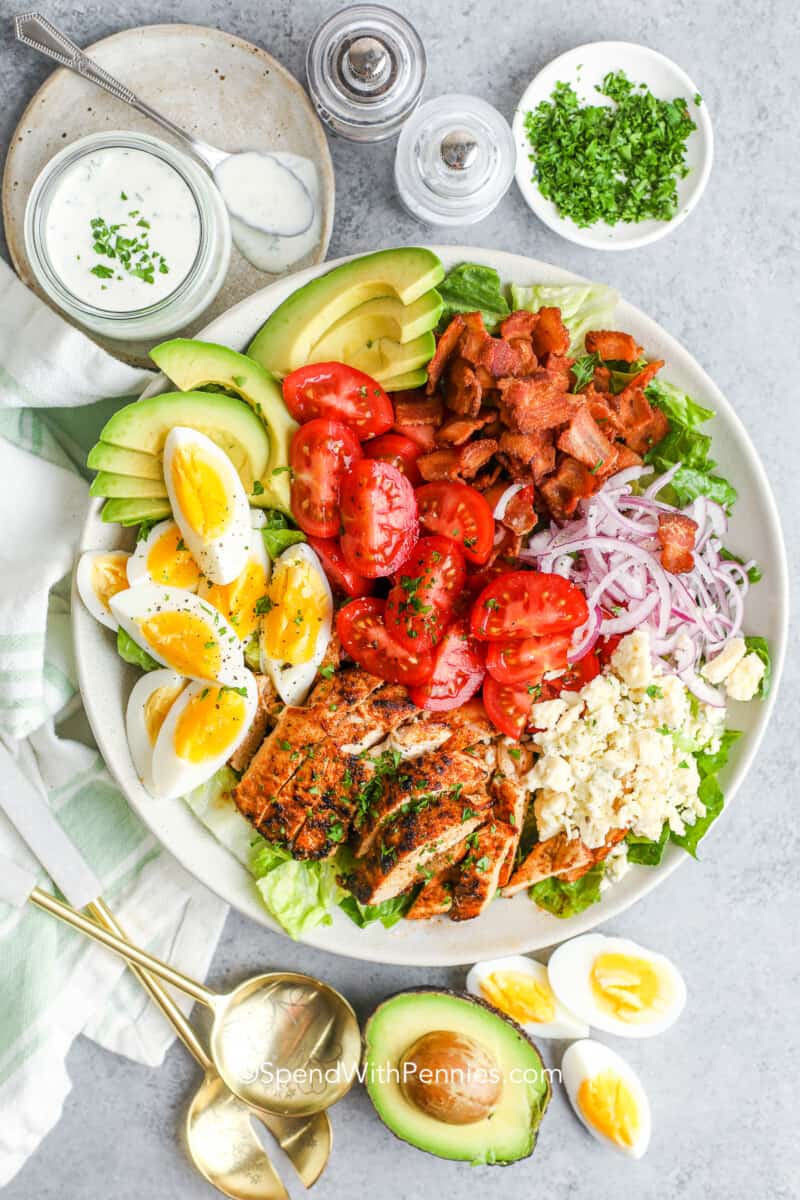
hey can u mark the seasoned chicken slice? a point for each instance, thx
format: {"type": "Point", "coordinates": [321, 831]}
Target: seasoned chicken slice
{"type": "Point", "coordinates": [480, 871]}
{"type": "Point", "coordinates": [265, 713]}
{"type": "Point", "coordinates": [440, 873]}
{"type": "Point", "coordinates": [556, 856]}
{"type": "Point", "coordinates": [366, 724]}
{"type": "Point", "coordinates": [510, 801]}
{"type": "Point", "coordinates": [407, 845]}
{"type": "Point", "coordinates": [468, 725]}
{"type": "Point", "coordinates": [276, 761]}
{"type": "Point", "coordinates": [329, 819]}
{"type": "Point", "coordinates": [420, 736]}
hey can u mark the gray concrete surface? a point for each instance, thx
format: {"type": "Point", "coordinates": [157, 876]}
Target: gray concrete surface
{"type": "Point", "coordinates": [723, 1082]}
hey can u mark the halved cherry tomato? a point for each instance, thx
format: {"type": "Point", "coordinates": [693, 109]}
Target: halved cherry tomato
{"type": "Point", "coordinates": [364, 635]}
{"type": "Point", "coordinates": [426, 588]}
{"type": "Point", "coordinates": [527, 660]}
{"type": "Point", "coordinates": [423, 436]}
{"type": "Point", "coordinates": [399, 450]}
{"type": "Point", "coordinates": [379, 518]}
{"type": "Point", "coordinates": [340, 575]}
{"type": "Point", "coordinates": [322, 453]}
{"type": "Point", "coordinates": [459, 512]}
{"type": "Point", "coordinates": [606, 646]}
{"type": "Point", "coordinates": [340, 393]}
{"type": "Point", "coordinates": [507, 706]}
{"type": "Point", "coordinates": [458, 672]}
{"type": "Point", "coordinates": [579, 674]}
{"type": "Point", "coordinates": [524, 604]}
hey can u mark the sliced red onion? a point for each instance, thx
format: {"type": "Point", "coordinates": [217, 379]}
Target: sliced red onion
{"type": "Point", "coordinates": [502, 503]}
{"type": "Point", "coordinates": [587, 635]}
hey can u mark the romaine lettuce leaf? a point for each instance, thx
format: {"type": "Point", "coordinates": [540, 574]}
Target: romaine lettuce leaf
{"type": "Point", "coordinates": [709, 792]}
{"type": "Point", "coordinates": [568, 899]}
{"type": "Point", "coordinates": [760, 646]}
{"type": "Point", "coordinates": [278, 534]}
{"type": "Point", "coordinates": [684, 444]}
{"type": "Point", "coordinates": [298, 894]}
{"type": "Point", "coordinates": [645, 852]}
{"type": "Point", "coordinates": [388, 912]}
{"type": "Point", "coordinates": [131, 653]}
{"type": "Point", "coordinates": [213, 805]}
{"type": "Point", "coordinates": [473, 288]}
{"type": "Point", "coordinates": [584, 306]}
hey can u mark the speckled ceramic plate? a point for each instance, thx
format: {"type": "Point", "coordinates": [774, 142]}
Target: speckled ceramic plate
{"type": "Point", "coordinates": [508, 926]}
{"type": "Point", "coordinates": [227, 92]}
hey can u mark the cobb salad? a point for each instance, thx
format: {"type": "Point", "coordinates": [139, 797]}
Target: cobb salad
{"type": "Point", "coordinates": [432, 595]}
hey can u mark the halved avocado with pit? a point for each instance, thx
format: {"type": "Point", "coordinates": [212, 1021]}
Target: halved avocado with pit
{"type": "Point", "coordinates": [486, 1088]}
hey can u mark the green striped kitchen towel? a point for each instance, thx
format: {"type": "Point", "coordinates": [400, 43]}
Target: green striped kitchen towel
{"type": "Point", "coordinates": [55, 386]}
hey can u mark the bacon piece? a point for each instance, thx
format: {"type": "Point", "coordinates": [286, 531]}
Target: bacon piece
{"type": "Point", "coordinates": [611, 344]}
{"type": "Point", "coordinates": [525, 358]}
{"type": "Point", "coordinates": [423, 436]}
{"type": "Point", "coordinates": [646, 375]}
{"type": "Point", "coordinates": [462, 390]}
{"type": "Point", "coordinates": [537, 402]}
{"type": "Point", "coordinates": [601, 378]}
{"type": "Point", "coordinates": [642, 425]}
{"type": "Point", "coordinates": [475, 455]}
{"type": "Point", "coordinates": [625, 458]}
{"type": "Point", "coordinates": [535, 451]}
{"type": "Point", "coordinates": [583, 440]}
{"type": "Point", "coordinates": [500, 358]}
{"type": "Point", "coordinates": [441, 464]}
{"type": "Point", "coordinates": [676, 533]}
{"type": "Point", "coordinates": [415, 408]}
{"type": "Point", "coordinates": [485, 480]}
{"type": "Point", "coordinates": [550, 334]}
{"type": "Point", "coordinates": [520, 516]}
{"type": "Point", "coordinates": [563, 491]}
{"type": "Point", "coordinates": [445, 349]}
{"type": "Point", "coordinates": [457, 430]}
{"type": "Point", "coordinates": [473, 339]}
{"type": "Point", "coordinates": [519, 324]}
{"type": "Point", "coordinates": [560, 368]}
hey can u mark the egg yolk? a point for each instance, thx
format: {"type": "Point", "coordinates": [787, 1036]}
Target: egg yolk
{"type": "Point", "coordinates": [109, 576]}
{"type": "Point", "coordinates": [170, 563]}
{"type": "Point", "coordinates": [156, 707]}
{"type": "Point", "coordinates": [185, 641]}
{"type": "Point", "coordinates": [631, 989]}
{"type": "Point", "coordinates": [521, 996]}
{"type": "Point", "coordinates": [200, 492]}
{"type": "Point", "coordinates": [609, 1106]}
{"type": "Point", "coordinates": [237, 600]}
{"type": "Point", "coordinates": [209, 723]}
{"type": "Point", "coordinates": [295, 604]}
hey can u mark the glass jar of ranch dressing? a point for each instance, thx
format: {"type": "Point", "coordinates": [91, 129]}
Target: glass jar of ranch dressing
{"type": "Point", "coordinates": [127, 235]}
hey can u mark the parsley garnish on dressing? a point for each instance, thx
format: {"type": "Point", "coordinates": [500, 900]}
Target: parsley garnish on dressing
{"type": "Point", "coordinates": [126, 245]}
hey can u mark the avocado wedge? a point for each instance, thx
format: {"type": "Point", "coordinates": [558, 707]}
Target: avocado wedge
{"type": "Point", "coordinates": [133, 512]}
{"type": "Point", "coordinates": [131, 487]}
{"type": "Point", "coordinates": [193, 366]}
{"type": "Point", "coordinates": [487, 1089]}
{"type": "Point", "coordinates": [105, 457]}
{"type": "Point", "coordinates": [407, 382]}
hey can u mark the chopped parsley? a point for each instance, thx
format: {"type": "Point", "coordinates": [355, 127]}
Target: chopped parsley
{"type": "Point", "coordinates": [258, 488]}
{"type": "Point", "coordinates": [127, 245]}
{"type": "Point", "coordinates": [655, 692]}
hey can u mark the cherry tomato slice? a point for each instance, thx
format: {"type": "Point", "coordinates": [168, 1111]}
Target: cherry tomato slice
{"type": "Point", "coordinates": [527, 660]}
{"type": "Point", "coordinates": [423, 436]}
{"type": "Point", "coordinates": [457, 672]}
{"type": "Point", "coordinates": [459, 512]}
{"type": "Point", "coordinates": [340, 575]}
{"type": "Point", "coordinates": [399, 450]}
{"type": "Point", "coordinates": [364, 635]}
{"type": "Point", "coordinates": [339, 393]}
{"type": "Point", "coordinates": [524, 604]}
{"type": "Point", "coordinates": [321, 454]}
{"type": "Point", "coordinates": [425, 591]}
{"type": "Point", "coordinates": [507, 706]}
{"type": "Point", "coordinates": [379, 518]}
{"type": "Point", "coordinates": [606, 646]}
{"type": "Point", "coordinates": [579, 674]}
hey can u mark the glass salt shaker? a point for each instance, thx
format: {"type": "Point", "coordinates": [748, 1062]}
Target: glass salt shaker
{"type": "Point", "coordinates": [365, 67]}
{"type": "Point", "coordinates": [455, 160]}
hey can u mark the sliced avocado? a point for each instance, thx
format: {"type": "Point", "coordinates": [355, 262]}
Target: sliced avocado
{"type": "Point", "coordinates": [285, 339]}
{"type": "Point", "coordinates": [385, 316]}
{"type": "Point", "coordinates": [229, 422]}
{"type": "Point", "coordinates": [127, 487]}
{"type": "Point", "coordinates": [498, 1111]}
{"type": "Point", "coordinates": [104, 457]}
{"type": "Point", "coordinates": [193, 365]}
{"type": "Point", "coordinates": [386, 358]}
{"type": "Point", "coordinates": [133, 512]}
{"type": "Point", "coordinates": [405, 383]}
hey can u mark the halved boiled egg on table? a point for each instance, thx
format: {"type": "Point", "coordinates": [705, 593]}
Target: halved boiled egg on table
{"type": "Point", "coordinates": [520, 988]}
{"type": "Point", "coordinates": [607, 1096]}
{"type": "Point", "coordinates": [296, 622]}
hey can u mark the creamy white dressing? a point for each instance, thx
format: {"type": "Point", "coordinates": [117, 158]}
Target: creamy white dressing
{"type": "Point", "coordinates": [264, 193]}
{"type": "Point", "coordinates": [155, 212]}
{"type": "Point", "coordinates": [270, 251]}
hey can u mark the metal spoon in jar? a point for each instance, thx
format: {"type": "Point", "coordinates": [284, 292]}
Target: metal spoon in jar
{"type": "Point", "coordinates": [251, 182]}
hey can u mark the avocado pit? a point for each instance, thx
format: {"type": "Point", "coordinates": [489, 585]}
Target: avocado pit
{"type": "Point", "coordinates": [451, 1077]}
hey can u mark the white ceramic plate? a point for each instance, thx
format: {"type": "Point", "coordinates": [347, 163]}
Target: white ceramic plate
{"type": "Point", "coordinates": [584, 67]}
{"type": "Point", "coordinates": [509, 926]}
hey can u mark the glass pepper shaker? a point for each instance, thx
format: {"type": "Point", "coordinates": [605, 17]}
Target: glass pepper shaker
{"type": "Point", "coordinates": [365, 68]}
{"type": "Point", "coordinates": [455, 160]}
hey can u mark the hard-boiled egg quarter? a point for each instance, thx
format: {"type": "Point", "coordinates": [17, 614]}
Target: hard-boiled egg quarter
{"type": "Point", "coordinates": [162, 557]}
{"type": "Point", "coordinates": [100, 574]}
{"type": "Point", "coordinates": [241, 600]}
{"type": "Point", "coordinates": [520, 988]}
{"type": "Point", "coordinates": [181, 631]}
{"type": "Point", "coordinates": [616, 985]}
{"type": "Point", "coordinates": [296, 623]}
{"type": "Point", "coordinates": [208, 502]}
{"type": "Point", "coordinates": [607, 1096]}
{"type": "Point", "coordinates": [151, 699]}
{"type": "Point", "coordinates": [202, 729]}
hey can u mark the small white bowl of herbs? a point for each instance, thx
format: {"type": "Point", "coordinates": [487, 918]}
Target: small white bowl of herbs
{"type": "Point", "coordinates": [614, 145]}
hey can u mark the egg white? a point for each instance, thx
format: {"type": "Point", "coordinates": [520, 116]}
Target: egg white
{"type": "Point", "coordinates": [293, 683]}
{"type": "Point", "coordinates": [256, 555]}
{"type": "Point", "coordinates": [138, 567]}
{"type": "Point", "coordinates": [139, 603]}
{"type": "Point", "coordinates": [569, 972]}
{"type": "Point", "coordinates": [586, 1059]}
{"type": "Point", "coordinates": [223, 557]}
{"type": "Point", "coordinates": [85, 584]}
{"type": "Point", "coordinates": [139, 743]}
{"type": "Point", "coordinates": [564, 1024]}
{"type": "Point", "coordinates": [172, 775]}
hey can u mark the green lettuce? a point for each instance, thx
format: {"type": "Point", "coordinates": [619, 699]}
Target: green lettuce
{"type": "Point", "coordinates": [473, 288]}
{"type": "Point", "coordinates": [131, 653]}
{"type": "Point", "coordinates": [584, 306]}
{"type": "Point", "coordinates": [388, 912]}
{"type": "Point", "coordinates": [709, 792]}
{"type": "Point", "coordinates": [644, 851]}
{"type": "Point", "coordinates": [760, 646]}
{"type": "Point", "coordinates": [568, 899]}
{"type": "Point", "coordinates": [685, 444]}
{"type": "Point", "coordinates": [213, 805]}
{"type": "Point", "coordinates": [754, 573]}
{"type": "Point", "coordinates": [279, 533]}
{"type": "Point", "coordinates": [300, 895]}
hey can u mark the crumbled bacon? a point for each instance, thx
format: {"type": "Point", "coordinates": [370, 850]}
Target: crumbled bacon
{"type": "Point", "coordinates": [519, 324]}
{"type": "Point", "coordinates": [610, 344]}
{"type": "Point", "coordinates": [486, 479]}
{"type": "Point", "coordinates": [646, 375]}
{"type": "Point", "coordinates": [550, 334]}
{"type": "Point", "coordinates": [563, 491]}
{"type": "Point", "coordinates": [441, 464]}
{"type": "Point", "coordinates": [520, 516]}
{"type": "Point", "coordinates": [445, 349]}
{"type": "Point", "coordinates": [423, 436]}
{"type": "Point", "coordinates": [536, 402]}
{"type": "Point", "coordinates": [583, 439]}
{"type": "Point", "coordinates": [676, 533]}
{"type": "Point", "coordinates": [415, 408]}
{"type": "Point", "coordinates": [535, 452]}
{"type": "Point", "coordinates": [475, 455]}
{"type": "Point", "coordinates": [462, 390]}
{"type": "Point", "coordinates": [641, 423]}
{"type": "Point", "coordinates": [457, 430]}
